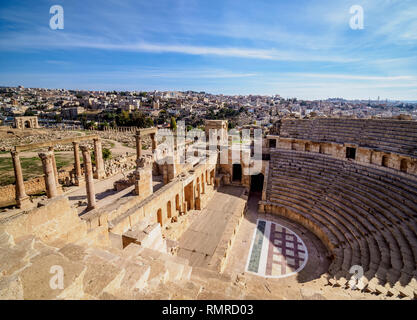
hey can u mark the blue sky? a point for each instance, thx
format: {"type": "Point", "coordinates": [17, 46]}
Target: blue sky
{"type": "Point", "coordinates": [300, 48]}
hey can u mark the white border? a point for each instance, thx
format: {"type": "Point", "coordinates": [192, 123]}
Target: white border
{"type": "Point", "coordinates": [262, 274]}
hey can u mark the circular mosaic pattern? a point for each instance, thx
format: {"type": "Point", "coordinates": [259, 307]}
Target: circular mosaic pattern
{"type": "Point", "coordinates": [276, 251]}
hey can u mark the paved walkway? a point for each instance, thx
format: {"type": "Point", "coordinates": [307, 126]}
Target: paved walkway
{"type": "Point", "coordinates": [105, 193]}
{"type": "Point", "coordinates": [200, 240]}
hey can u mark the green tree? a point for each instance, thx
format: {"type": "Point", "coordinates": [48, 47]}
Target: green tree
{"type": "Point", "coordinates": [106, 153]}
{"type": "Point", "coordinates": [173, 124]}
{"type": "Point", "coordinates": [58, 118]}
{"type": "Point", "coordinates": [149, 122]}
{"type": "Point", "coordinates": [29, 113]}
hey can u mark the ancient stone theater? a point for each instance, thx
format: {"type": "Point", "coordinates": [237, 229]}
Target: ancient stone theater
{"type": "Point", "coordinates": [321, 208]}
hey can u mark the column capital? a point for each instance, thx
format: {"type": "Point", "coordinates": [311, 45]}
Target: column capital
{"type": "Point", "coordinates": [45, 155]}
{"type": "Point", "coordinates": [49, 173]}
{"type": "Point", "coordinates": [14, 153]}
{"type": "Point", "coordinates": [75, 143]}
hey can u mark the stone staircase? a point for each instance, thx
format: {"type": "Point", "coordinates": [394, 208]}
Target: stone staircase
{"type": "Point", "coordinates": [94, 272]}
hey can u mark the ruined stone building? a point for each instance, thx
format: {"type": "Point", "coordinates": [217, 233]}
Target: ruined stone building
{"type": "Point", "coordinates": [26, 122]}
{"type": "Point", "coordinates": [321, 207]}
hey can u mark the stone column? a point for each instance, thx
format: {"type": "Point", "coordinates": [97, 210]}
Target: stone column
{"type": "Point", "coordinates": [153, 141]}
{"type": "Point", "coordinates": [48, 170]}
{"type": "Point", "coordinates": [22, 199]}
{"type": "Point", "coordinates": [138, 145]}
{"type": "Point", "coordinates": [143, 181]}
{"type": "Point", "coordinates": [58, 186]}
{"type": "Point", "coordinates": [77, 165]}
{"type": "Point", "coordinates": [99, 173]}
{"type": "Point", "coordinates": [88, 171]}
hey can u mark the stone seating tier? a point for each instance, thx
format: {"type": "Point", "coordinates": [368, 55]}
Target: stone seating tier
{"type": "Point", "coordinates": [384, 135]}
{"type": "Point", "coordinates": [366, 216]}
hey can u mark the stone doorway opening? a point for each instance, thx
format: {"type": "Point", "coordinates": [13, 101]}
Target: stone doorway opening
{"type": "Point", "coordinates": [159, 217]}
{"type": "Point", "coordinates": [237, 172]}
{"type": "Point", "coordinates": [256, 182]}
{"type": "Point", "coordinates": [189, 196]}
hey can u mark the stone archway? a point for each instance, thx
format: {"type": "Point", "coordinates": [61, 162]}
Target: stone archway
{"type": "Point", "coordinates": [26, 122]}
{"type": "Point", "coordinates": [169, 214]}
{"type": "Point", "coordinates": [189, 196]}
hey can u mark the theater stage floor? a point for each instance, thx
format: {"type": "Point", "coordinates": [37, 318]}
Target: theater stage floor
{"type": "Point", "coordinates": [199, 241]}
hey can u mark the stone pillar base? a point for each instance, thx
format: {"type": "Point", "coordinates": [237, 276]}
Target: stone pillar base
{"type": "Point", "coordinates": [24, 203]}
{"type": "Point", "coordinates": [80, 182]}
{"type": "Point", "coordinates": [99, 175]}
{"type": "Point", "coordinates": [59, 189]}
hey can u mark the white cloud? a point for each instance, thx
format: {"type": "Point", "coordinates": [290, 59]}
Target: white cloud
{"type": "Point", "coordinates": [352, 77]}
{"type": "Point", "coordinates": [53, 40]}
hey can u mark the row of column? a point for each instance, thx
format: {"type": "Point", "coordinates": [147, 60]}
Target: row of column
{"type": "Point", "coordinates": [53, 188]}
{"type": "Point", "coordinates": [139, 144]}
{"type": "Point", "coordinates": [120, 129]}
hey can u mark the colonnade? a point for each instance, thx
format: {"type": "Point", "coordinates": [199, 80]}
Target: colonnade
{"type": "Point", "coordinates": [52, 185]}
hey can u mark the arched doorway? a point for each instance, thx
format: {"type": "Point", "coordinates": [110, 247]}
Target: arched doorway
{"type": "Point", "coordinates": [404, 165]}
{"type": "Point", "coordinates": [169, 209]}
{"type": "Point", "coordinates": [159, 217]}
{"type": "Point", "coordinates": [256, 182]}
{"type": "Point", "coordinates": [237, 172]}
{"type": "Point", "coordinates": [384, 161]}
{"type": "Point", "coordinates": [189, 196]}
{"type": "Point", "coordinates": [177, 202]}
{"type": "Point", "coordinates": [27, 124]}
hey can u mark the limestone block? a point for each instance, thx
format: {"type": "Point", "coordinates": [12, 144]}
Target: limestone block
{"type": "Point", "coordinates": [11, 288]}
{"type": "Point", "coordinates": [36, 278]}
{"type": "Point", "coordinates": [12, 260]}
{"type": "Point", "coordinates": [6, 240]}
{"type": "Point", "coordinates": [73, 252]}
{"type": "Point", "coordinates": [101, 276]}
{"type": "Point", "coordinates": [136, 276]}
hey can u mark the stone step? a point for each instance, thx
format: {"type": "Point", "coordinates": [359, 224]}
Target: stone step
{"type": "Point", "coordinates": [101, 276]}
{"type": "Point", "coordinates": [36, 278]}
{"type": "Point", "coordinates": [181, 291]}
{"type": "Point", "coordinates": [6, 240]}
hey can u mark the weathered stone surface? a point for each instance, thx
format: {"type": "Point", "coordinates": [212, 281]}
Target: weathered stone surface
{"type": "Point", "coordinates": [36, 278]}
{"type": "Point", "coordinates": [11, 288]}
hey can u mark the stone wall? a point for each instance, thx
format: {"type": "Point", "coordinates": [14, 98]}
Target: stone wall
{"type": "Point", "coordinates": [162, 206]}
{"type": "Point", "coordinates": [406, 164]}
{"type": "Point", "coordinates": [42, 222]}
{"type": "Point", "coordinates": [33, 186]}
{"type": "Point", "coordinates": [391, 136]}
